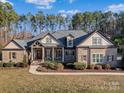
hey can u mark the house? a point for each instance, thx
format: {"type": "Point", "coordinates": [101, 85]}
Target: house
{"type": "Point", "coordinates": [64, 46]}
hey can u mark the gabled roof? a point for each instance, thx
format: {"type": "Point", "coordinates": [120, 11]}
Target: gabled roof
{"type": "Point", "coordinates": [21, 43]}
{"type": "Point", "coordinates": [70, 35]}
{"type": "Point", "coordinates": [60, 36]}
{"type": "Point", "coordinates": [90, 34]}
{"type": "Point", "coordinates": [41, 36]}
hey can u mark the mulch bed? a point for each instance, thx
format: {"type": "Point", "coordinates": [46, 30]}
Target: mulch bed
{"type": "Point", "coordinates": [86, 70]}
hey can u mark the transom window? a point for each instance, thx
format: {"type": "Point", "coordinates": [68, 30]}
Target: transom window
{"type": "Point", "coordinates": [48, 40]}
{"type": "Point", "coordinates": [96, 41]}
{"type": "Point", "coordinates": [97, 58]}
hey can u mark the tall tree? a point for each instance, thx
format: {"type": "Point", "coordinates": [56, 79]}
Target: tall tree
{"type": "Point", "coordinates": [40, 18]}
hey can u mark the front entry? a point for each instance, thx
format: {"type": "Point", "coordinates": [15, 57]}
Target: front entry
{"type": "Point", "coordinates": [38, 54]}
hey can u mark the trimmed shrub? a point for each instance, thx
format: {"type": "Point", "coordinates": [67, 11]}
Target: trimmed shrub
{"type": "Point", "coordinates": [1, 64]}
{"type": "Point", "coordinates": [91, 66]}
{"type": "Point", "coordinates": [79, 66]}
{"type": "Point", "coordinates": [98, 67]}
{"type": "Point", "coordinates": [53, 65]}
{"type": "Point", "coordinates": [70, 65]}
{"type": "Point", "coordinates": [49, 65]}
{"type": "Point", "coordinates": [106, 66]}
{"type": "Point", "coordinates": [21, 64]}
{"type": "Point", "coordinates": [9, 64]}
{"type": "Point", "coordinates": [59, 67]}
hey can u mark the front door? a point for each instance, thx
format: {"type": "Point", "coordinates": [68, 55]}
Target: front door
{"type": "Point", "coordinates": [38, 54]}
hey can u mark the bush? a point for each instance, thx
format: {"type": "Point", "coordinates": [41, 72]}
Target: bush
{"type": "Point", "coordinates": [53, 65]}
{"type": "Point", "coordinates": [49, 65]}
{"type": "Point", "coordinates": [99, 67]}
{"type": "Point", "coordinates": [9, 64]}
{"type": "Point", "coordinates": [70, 65]}
{"type": "Point", "coordinates": [79, 66]}
{"type": "Point", "coordinates": [91, 66]}
{"type": "Point", "coordinates": [59, 67]}
{"type": "Point", "coordinates": [21, 64]}
{"type": "Point", "coordinates": [1, 64]}
{"type": "Point", "coordinates": [106, 66]}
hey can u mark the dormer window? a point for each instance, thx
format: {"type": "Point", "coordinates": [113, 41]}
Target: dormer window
{"type": "Point", "coordinates": [96, 41]}
{"type": "Point", "coordinates": [48, 40]}
{"type": "Point", "coordinates": [70, 41]}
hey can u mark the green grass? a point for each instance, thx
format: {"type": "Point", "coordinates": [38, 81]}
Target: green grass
{"type": "Point", "coordinates": [20, 81]}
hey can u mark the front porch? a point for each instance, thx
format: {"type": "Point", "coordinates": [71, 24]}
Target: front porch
{"type": "Point", "coordinates": [42, 54]}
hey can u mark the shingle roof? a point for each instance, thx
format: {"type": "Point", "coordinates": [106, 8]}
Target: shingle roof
{"type": "Point", "coordinates": [22, 43]}
{"type": "Point", "coordinates": [60, 36]}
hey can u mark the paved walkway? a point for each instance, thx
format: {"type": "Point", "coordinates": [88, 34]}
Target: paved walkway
{"type": "Point", "coordinates": [32, 70]}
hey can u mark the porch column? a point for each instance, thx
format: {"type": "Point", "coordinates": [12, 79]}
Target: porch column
{"type": "Point", "coordinates": [32, 54]}
{"type": "Point", "coordinates": [52, 53]}
{"type": "Point", "coordinates": [43, 54]}
{"type": "Point", "coordinates": [63, 54]}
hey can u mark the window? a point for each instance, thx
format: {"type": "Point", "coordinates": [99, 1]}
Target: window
{"type": "Point", "coordinates": [97, 58]}
{"type": "Point", "coordinates": [58, 53]}
{"type": "Point", "coordinates": [69, 43]}
{"type": "Point", "coordinates": [48, 53]}
{"type": "Point", "coordinates": [96, 41]}
{"type": "Point", "coordinates": [110, 58]}
{"type": "Point", "coordinates": [13, 55]}
{"type": "Point", "coordinates": [48, 40]}
{"type": "Point", "coordinates": [84, 58]}
{"type": "Point", "coordinates": [69, 52]}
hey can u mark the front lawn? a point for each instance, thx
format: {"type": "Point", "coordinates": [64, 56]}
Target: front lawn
{"type": "Point", "coordinates": [14, 80]}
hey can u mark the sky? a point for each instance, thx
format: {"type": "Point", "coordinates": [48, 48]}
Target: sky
{"type": "Point", "coordinates": [65, 6]}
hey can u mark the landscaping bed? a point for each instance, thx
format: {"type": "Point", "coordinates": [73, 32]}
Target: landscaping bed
{"type": "Point", "coordinates": [75, 67]}
{"type": "Point", "coordinates": [86, 70]}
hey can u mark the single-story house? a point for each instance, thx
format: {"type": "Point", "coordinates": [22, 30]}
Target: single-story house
{"type": "Point", "coordinates": [64, 46]}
